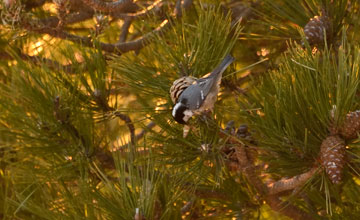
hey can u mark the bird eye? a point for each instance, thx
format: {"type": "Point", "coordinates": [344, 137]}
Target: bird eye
{"type": "Point", "coordinates": [179, 118]}
{"type": "Point", "coordinates": [184, 101]}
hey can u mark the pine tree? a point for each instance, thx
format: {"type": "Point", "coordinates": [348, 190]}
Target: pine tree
{"type": "Point", "coordinates": [86, 130]}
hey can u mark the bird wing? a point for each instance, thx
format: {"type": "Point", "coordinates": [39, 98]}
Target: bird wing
{"type": "Point", "coordinates": [199, 91]}
{"type": "Point", "coordinates": [196, 95]}
{"type": "Point", "coordinates": [207, 83]}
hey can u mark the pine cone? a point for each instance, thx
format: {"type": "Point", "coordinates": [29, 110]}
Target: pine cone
{"type": "Point", "coordinates": [332, 156]}
{"type": "Point", "coordinates": [351, 126]}
{"type": "Point", "coordinates": [179, 86]}
{"type": "Point", "coordinates": [314, 30]}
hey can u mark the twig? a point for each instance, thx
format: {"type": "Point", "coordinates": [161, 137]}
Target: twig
{"type": "Point", "coordinates": [286, 209]}
{"type": "Point", "coordinates": [34, 4]}
{"type": "Point", "coordinates": [129, 123]}
{"type": "Point", "coordinates": [103, 104]}
{"type": "Point", "coordinates": [140, 135]}
{"type": "Point", "coordinates": [121, 47]}
{"type": "Point", "coordinates": [108, 6]}
{"type": "Point", "coordinates": [71, 18]}
{"type": "Point", "coordinates": [290, 183]}
{"type": "Point", "coordinates": [155, 6]}
{"type": "Point", "coordinates": [125, 30]}
{"type": "Point", "coordinates": [210, 194]}
{"type": "Point", "coordinates": [143, 132]}
{"type": "Point", "coordinates": [187, 207]}
{"type": "Point", "coordinates": [151, 8]}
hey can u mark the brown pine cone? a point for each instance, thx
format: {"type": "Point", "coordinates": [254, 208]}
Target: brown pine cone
{"type": "Point", "coordinates": [314, 30]}
{"type": "Point", "coordinates": [351, 126]}
{"type": "Point", "coordinates": [332, 156]}
{"type": "Point", "coordinates": [179, 86]}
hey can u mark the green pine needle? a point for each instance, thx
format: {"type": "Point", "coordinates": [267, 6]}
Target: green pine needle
{"type": "Point", "coordinates": [296, 101]}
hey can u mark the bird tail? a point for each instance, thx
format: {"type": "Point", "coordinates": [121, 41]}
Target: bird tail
{"type": "Point", "coordinates": [223, 65]}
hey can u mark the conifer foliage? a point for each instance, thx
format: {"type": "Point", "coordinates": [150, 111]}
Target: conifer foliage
{"type": "Point", "coordinates": [87, 89]}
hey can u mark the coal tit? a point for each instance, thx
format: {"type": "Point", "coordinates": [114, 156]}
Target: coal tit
{"type": "Point", "coordinates": [194, 96]}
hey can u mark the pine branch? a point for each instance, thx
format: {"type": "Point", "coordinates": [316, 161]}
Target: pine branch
{"type": "Point", "coordinates": [274, 201]}
{"type": "Point", "coordinates": [249, 170]}
{"type": "Point", "coordinates": [128, 18]}
{"type": "Point", "coordinates": [143, 132]}
{"type": "Point", "coordinates": [286, 209]}
{"type": "Point", "coordinates": [129, 123]}
{"type": "Point", "coordinates": [121, 47]}
{"type": "Point", "coordinates": [125, 30]}
{"type": "Point", "coordinates": [139, 135]}
{"type": "Point", "coordinates": [108, 6]}
{"type": "Point", "coordinates": [207, 194]}
{"type": "Point", "coordinates": [62, 114]}
{"type": "Point", "coordinates": [290, 183]}
{"type": "Point", "coordinates": [156, 6]}
{"type": "Point", "coordinates": [72, 18]}
{"type": "Point", "coordinates": [103, 104]}
{"type": "Point", "coordinates": [34, 4]}
{"type": "Point", "coordinates": [270, 193]}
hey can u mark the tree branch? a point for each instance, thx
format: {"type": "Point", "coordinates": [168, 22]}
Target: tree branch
{"type": "Point", "coordinates": [273, 201]}
{"type": "Point", "coordinates": [108, 6]}
{"type": "Point", "coordinates": [286, 208]}
{"type": "Point", "coordinates": [140, 135]}
{"type": "Point", "coordinates": [34, 4]}
{"type": "Point", "coordinates": [125, 30]}
{"type": "Point", "coordinates": [153, 8]}
{"type": "Point", "coordinates": [143, 132]}
{"type": "Point", "coordinates": [249, 169]}
{"type": "Point", "coordinates": [121, 47]}
{"type": "Point", "coordinates": [290, 183]}
{"type": "Point", "coordinates": [129, 123]}
{"type": "Point", "coordinates": [52, 21]}
{"type": "Point", "coordinates": [210, 194]}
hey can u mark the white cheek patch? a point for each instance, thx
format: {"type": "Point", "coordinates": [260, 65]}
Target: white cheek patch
{"type": "Point", "coordinates": [187, 115]}
{"type": "Point", "coordinates": [175, 109]}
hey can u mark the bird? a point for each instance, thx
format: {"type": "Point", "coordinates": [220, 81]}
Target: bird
{"type": "Point", "coordinates": [192, 96]}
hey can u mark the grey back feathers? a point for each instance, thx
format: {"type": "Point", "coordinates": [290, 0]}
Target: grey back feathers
{"type": "Point", "coordinates": [193, 96]}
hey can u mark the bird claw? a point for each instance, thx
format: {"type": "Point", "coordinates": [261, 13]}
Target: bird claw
{"type": "Point", "coordinates": [186, 130]}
